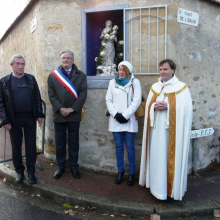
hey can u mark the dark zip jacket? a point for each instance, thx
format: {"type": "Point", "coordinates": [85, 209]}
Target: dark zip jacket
{"type": "Point", "coordinates": [6, 99]}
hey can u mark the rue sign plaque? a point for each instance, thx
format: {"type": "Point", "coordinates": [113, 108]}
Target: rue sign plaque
{"type": "Point", "coordinates": [202, 133]}
{"type": "Point", "coordinates": [187, 17]}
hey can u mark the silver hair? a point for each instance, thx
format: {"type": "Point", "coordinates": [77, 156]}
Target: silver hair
{"type": "Point", "coordinates": [68, 51]}
{"type": "Point", "coordinates": [16, 56]}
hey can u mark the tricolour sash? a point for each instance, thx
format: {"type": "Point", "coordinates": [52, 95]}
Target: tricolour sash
{"type": "Point", "coordinates": [66, 83]}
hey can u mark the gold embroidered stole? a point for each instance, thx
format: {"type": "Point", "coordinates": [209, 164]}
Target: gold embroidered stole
{"type": "Point", "coordinates": [172, 139]}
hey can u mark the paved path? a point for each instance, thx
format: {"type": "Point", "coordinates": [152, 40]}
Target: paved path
{"type": "Point", "coordinates": [98, 189]}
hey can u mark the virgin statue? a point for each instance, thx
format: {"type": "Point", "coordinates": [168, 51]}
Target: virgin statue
{"type": "Point", "coordinates": [108, 37]}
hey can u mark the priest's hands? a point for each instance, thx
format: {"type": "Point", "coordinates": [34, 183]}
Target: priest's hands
{"type": "Point", "coordinates": [66, 111]}
{"type": "Point", "coordinates": [120, 118]}
{"type": "Point", "coordinates": [160, 105]}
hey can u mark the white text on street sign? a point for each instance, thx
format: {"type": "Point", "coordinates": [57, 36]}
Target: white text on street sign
{"type": "Point", "coordinates": [202, 133]}
{"type": "Point", "coordinates": [187, 17]}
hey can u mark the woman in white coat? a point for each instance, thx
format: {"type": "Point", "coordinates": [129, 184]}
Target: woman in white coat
{"type": "Point", "coordinates": [122, 99]}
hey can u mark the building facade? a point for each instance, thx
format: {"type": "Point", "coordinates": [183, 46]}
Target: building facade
{"type": "Point", "coordinates": [151, 32]}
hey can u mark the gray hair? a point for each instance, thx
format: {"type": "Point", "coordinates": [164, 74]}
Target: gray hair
{"type": "Point", "coordinates": [68, 51]}
{"type": "Point", "coordinates": [16, 56]}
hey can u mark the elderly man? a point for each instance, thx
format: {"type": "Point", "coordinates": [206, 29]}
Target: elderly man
{"type": "Point", "coordinates": [20, 107]}
{"type": "Point", "coordinates": [166, 136]}
{"type": "Point", "coordinates": [67, 90]}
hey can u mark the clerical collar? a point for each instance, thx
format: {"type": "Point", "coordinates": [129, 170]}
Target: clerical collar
{"type": "Point", "coordinates": [173, 80]}
{"type": "Point", "coordinates": [16, 76]}
{"type": "Point", "coordinates": [168, 80]}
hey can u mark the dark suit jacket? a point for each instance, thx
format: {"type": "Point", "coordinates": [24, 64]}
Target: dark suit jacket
{"type": "Point", "coordinates": [6, 99]}
{"type": "Point", "coordinates": [61, 98]}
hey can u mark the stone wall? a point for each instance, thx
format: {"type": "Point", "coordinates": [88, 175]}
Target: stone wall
{"type": "Point", "coordinates": [194, 49]}
{"type": "Point", "coordinates": [20, 40]}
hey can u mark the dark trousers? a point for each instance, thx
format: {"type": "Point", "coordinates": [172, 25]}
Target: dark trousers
{"type": "Point", "coordinates": [27, 122]}
{"type": "Point", "coordinates": [73, 144]}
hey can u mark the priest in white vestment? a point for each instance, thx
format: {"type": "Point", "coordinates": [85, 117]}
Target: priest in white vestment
{"type": "Point", "coordinates": [166, 135]}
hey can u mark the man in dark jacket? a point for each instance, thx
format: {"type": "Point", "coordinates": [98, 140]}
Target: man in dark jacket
{"type": "Point", "coordinates": [20, 107]}
{"type": "Point", "coordinates": [67, 90]}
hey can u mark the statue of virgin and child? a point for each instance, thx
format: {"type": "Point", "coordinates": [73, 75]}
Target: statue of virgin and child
{"type": "Point", "coordinates": [107, 52]}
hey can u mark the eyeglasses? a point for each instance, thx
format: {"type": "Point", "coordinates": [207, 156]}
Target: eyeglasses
{"type": "Point", "coordinates": [66, 58]}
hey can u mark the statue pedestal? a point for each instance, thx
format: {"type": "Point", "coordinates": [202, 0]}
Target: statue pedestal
{"type": "Point", "coordinates": [107, 70]}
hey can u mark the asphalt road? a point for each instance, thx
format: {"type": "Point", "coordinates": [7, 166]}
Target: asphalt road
{"type": "Point", "coordinates": [19, 205]}
{"type": "Point", "coordinates": [12, 208]}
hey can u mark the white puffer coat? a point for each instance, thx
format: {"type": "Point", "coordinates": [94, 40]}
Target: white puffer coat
{"type": "Point", "coordinates": [123, 100]}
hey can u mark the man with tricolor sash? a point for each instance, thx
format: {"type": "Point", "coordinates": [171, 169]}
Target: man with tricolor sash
{"type": "Point", "coordinates": [166, 136]}
{"type": "Point", "coordinates": [67, 90]}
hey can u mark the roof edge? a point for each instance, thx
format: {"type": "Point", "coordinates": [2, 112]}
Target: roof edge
{"type": "Point", "coordinates": [216, 1]}
{"type": "Point", "coordinates": [26, 9]}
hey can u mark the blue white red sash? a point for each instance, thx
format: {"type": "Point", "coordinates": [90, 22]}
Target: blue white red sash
{"type": "Point", "coordinates": [66, 82]}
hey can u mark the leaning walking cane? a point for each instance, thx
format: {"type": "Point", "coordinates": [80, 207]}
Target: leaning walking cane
{"type": "Point", "coordinates": [5, 160]}
{"type": "Point", "coordinates": [4, 143]}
